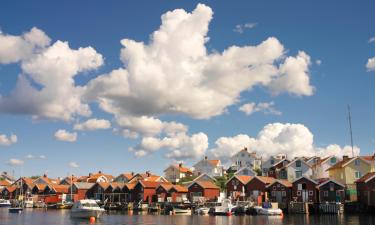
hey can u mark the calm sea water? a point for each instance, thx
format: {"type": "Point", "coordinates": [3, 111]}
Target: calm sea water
{"type": "Point", "coordinates": [62, 217]}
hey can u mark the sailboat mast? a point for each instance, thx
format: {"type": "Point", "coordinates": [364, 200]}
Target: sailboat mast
{"type": "Point", "coordinates": [350, 128]}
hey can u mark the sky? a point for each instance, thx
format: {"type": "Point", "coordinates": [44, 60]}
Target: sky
{"type": "Point", "coordinates": [123, 86]}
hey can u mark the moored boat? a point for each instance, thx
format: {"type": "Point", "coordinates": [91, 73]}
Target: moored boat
{"type": "Point", "coordinates": [225, 208]}
{"type": "Point", "coordinates": [86, 208]}
{"type": "Point", "coordinates": [181, 211]}
{"type": "Point", "coordinates": [202, 211]}
{"type": "Point", "coordinates": [4, 203]}
{"type": "Point", "coordinates": [267, 211]}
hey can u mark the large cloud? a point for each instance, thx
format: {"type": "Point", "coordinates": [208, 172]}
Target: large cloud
{"type": "Point", "coordinates": [46, 88]}
{"type": "Point", "coordinates": [8, 140]}
{"type": "Point", "coordinates": [291, 139]}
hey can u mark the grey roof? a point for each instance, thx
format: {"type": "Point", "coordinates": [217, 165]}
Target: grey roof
{"type": "Point", "coordinates": [83, 185]}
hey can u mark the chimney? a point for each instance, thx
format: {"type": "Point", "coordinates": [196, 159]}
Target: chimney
{"type": "Point", "coordinates": [345, 157]}
{"type": "Point", "coordinates": [100, 172]}
{"type": "Point", "coordinates": [90, 174]}
{"type": "Point", "coordinates": [244, 148]}
{"type": "Point", "coordinates": [132, 173]}
{"type": "Point", "coordinates": [205, 158]}
{"type": "Point", "coordinates": [180, 165]}
{"type": "Point", "coordinates": [148, 173]}
{"type": "Point", "coordinates": [45, 175]}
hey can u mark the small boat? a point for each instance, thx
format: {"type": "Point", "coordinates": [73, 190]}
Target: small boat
{"type": "Point", "coordinates": [29, 203]}
{"type": "Point", "coordinates": [203, 211]}
{"type": "Point", "coordinates": [225, 208]}
{"type": "Point", "coordinates": [64, 205]}
{"type": "Point", "coordinates": [181, 211]}
{"type": "Point", "coordinates": [267, 211]}
{"type": "Point", "coordinates": [86, 208]}
{"type": "Point", "coordinates": [15, 209]}
{"type": "Point", "coordinates": [4, 203]}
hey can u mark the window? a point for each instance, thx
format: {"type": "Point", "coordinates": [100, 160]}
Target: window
{"type": "Point", "coordinates": [273, 193]}
{"type": "Point", "coordinates": [325, 193]}
{"type": "Point", "coordinates": [242, 155]}
{"type": "Point", "coordinates": [333, 160]}
{"type": "Point", "coordinates": [274, 187]}
{"type": "Point", "coordinates": [298, 163]}
{"type": "Point", "coordinates": [283, 193]}
{"type": "Point", "coordinates": [298, 174]}
{"type": "Point", "coordinates": [311, 193]}
{"type": "Point", "coordinates": [357, 162]}
{"type": "Point", "coordinates": [298, 193]}
{"type": "Point", "coordinates": [358, 175]}
{"type": "Point", "coordinates": [272, 162]}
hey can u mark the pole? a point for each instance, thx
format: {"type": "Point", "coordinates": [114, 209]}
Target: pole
{"type": "Point", "coordinates": [350, 128]}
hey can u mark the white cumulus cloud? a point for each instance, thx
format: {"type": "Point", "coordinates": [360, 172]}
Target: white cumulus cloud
{"type": "Point", "coordinates": [63, 135]}
{"type": "Point", "coordinates": [370, 64]}
{"type": "Point", "coordinates": [93, 124]}
{"type": "Point", "coordinates": [73, 165]}
{"type": "Point", "coordinates": [294, 140]}
{"type": "Point", "coordinates": [265, 107]}
{"type": "Point", "coordinates": [15, 162]}
{"type": "Point", "coordinates": [8, 140]}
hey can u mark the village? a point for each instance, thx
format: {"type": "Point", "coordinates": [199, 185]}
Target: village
{"type": "Point", "coordinates": [298, 185]}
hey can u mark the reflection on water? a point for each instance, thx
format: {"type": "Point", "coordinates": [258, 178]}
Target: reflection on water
{"type": "Point", "coordinates": [62, 217]}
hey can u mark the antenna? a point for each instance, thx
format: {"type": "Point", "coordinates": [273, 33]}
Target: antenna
{"type": "Point", "coordinates": [350, 127]}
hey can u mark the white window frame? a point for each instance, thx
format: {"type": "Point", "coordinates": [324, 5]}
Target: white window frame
{"type": "Point", "coordinates": [299, 193]}
{"type": "Point", "coordinates": [311, 193]}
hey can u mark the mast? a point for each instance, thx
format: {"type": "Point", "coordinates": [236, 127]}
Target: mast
{"type": "Point", "coordinates": [350, 129]}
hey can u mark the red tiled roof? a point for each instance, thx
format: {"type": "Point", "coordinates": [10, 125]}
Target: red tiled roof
{"type": "Point", "coordinates": [266, 180]}
{"type": "Point", "coordinates": [180, 188]}
{"type": "Point", "coordinates": [207, 185]}
{"type": "Point", "coordinates": [4, 183]}
{"type": "Point", "coordinates": [103, 185]}
{"type": "Point", "coordinates": [243, 179]}
{"type": "Point", "coordinates": [214, 162]}
{"type": "Point", "coordinates": [130, 186]}
{"type": "Point", "coordinates": [11, 188]}
{"type": "Point", "coordinates": [127, 175]}
{"type": "Point", "coordinates": [283, 182]}
{"type": "Point", "coordinates": [60, 188]}
{"type": "Point", "coordinates": [40, 187]}
{"type": "Point", "coordinates": [94, 177]}
{"type": "Point", "coordinates": [149, 184]}
{"type": "Point", "coordinates": [166, 186]}
{"type": "Point", "coordinates": [365, 177]}
{"type": "Point", "coordinates": [368, 157]}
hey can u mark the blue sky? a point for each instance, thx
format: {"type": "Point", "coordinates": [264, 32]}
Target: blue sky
{"type": "Point", "coordinates": [334, 33]}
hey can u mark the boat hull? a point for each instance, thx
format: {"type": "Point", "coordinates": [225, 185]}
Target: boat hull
{"type": "Point", "coordinates": [86, 213]}
{"type": "Point", "coordinates": [269, 212]}
{"type": "Point", "coordinates": [15, 210]}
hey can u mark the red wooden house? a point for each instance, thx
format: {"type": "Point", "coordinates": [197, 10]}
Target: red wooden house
{"type": "Point", "coordinates": [304, 190]}
{"type": "Point", "coordinates": [331, 191]}
{"type": "Point", "coordinates": [366, 190]}
{"type": "Point", "coordinates": [256, 188]}
{"type": "Point", "coordinates": [145, 191]}
{"type": "Point", "coordinates": [280, 191]}
{"type": "Point", "coordinates": [171, 193]}
{"type": "Point", "coordinates": [206, 189]}
{"type": "Point", "coordinates": [236, 186]}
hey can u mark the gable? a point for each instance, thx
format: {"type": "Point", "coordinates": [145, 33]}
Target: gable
{"type": "Point", "coordinates": [246, 172]}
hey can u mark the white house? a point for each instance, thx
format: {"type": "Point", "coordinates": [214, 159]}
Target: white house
{"type": "Point", "coordinates": [211, 167]}
{"type": "Point", "coordinates": [319, 169]}
{"type": "Point", "coordinates": [175, 173]}
{"type": "Point", "coordinates": [271, 161]}
{"type": "Point", "coordinates": [295, 170]}
{"type": "Point", "coordinates": [244, 158]}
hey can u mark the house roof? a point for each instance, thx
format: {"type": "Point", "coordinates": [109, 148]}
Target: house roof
{"type": "Point", "coordinates": [202, 175]}
{"type": "Point", "coordinates": [127, 175]}
{"type": "Point", "coordinates": [180, 188]}
{"type": "Point", "coordinates": [104, 185]}
{"type": "Point", "coordinates": [245, 168]}
{"type": "Point", "coordinates": [294, 160]}
{"type": "Point", "coordinates": [4, 183]}
{"type": "Point", "coordinates": [96, 176]}
{"type": "Point", "coordinates": [307, 178]}
{"type": "Point", "coordinates": [366, 178]}
{"type": "Point", "coordinates": [205, 184]}
{"type": "Point", "coordinates": [280, 161]}
{"type": "Point", "coordinates": [330, 180]}
{"type": "Point", "coordinates": [285, 183]}
{"type": "Point", "coordinates": [155, 178]}
{"type": "Point", "coordinates": [243, 179]}
{"type": "Point", "coordinates": [10, 189]}
{"type": "Point", "coordinates": [345, 162]}
{"type": "Point", "coordinates": [214, 162]}
{"type": "Point", "coordinates": [83, 185]}
{"type": "Point", "coordinates": [130, 186]}
{"type": "Point", "coordinates": [265, 180]}
{"type": "Point", "coordinates": [60, 188]}
{"type": "Point", "coordinates": [149, 184]}
{"type": "Point", "coordinates": [166, 186]}
{"type": "Point", "coordinates": [40, 187]}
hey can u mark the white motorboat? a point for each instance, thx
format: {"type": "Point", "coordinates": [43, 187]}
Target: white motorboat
{"type": "Point", "coordinates": [86, 208]}
{"type": "Point", "coordinates": [203, 211]}
{"type": "Point", "coordinates": [29, 203]}
{"type": "Point", "coordinates": [4, 203]}
{"type": "Point", "coordinates": [181, 211]}
{"type": "Point", "coordinates": [225, 208]}
{"type": "Point", "coordinates": [267, 211]}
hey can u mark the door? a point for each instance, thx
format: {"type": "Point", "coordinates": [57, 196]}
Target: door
{"type": "Point", "coordinates": [279, 197]}
{"type": "Point", "coordinates": [305, 195]}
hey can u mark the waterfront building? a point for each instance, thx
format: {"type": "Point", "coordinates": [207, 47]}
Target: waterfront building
{"type": "Point", "coordinates": [145, 191]}
{"type": "Point", "coordinates": [203, 191]}
{"type": "Point", "coordinates": [236, 186]}
{"type": "Point", "coordinates": [171, 193]}
{"type": "Point", "coordinates": [280, 191]}
{"type": "Point", "coordinates": [175, 173]}
{"type": "Point", "coordinates": [211, 167]}
{"type": "Point", "coordinates": [331, 191]}
{"type": "Point", "coordinates": [80, 189]}
{"type": "Point", "coordinates": [348, 171]}
{"type": "Point", "coordinates": [256, 188]}
{"type": "Point", "coordinates": [274, 170]}
{"type": "Point", "coordinates": [99, 177]}
{"type": "Point", "coordinates": [366, 190]}
{"type": "Point", "coordinates": [304, 190]}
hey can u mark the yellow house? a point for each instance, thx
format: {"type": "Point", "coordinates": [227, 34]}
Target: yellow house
{"type": "Point", "coordinates": [349, 170]}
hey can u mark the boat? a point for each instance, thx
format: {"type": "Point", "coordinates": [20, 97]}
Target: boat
{"type": "Point", "coordinates": [29, 203]}
{"type": "Point", "coordinates": [15, 209]}
{"type": "Point", "coordinates": [64, 205]}
{"type": "Point", "coordinates": [181, 211]}
{"type": "Point", "coordinates": [86, 208]}
{"type": "Point", "coordinates": [267, 211]}
{"type": "Point", "coordinates": [4, 203]}
{"type": "Point", "coordinates": [225, 208]}
{"type": "Point", "coordinates": [203, 211]}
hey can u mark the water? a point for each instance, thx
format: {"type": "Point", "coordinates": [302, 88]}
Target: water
{"type": "Point", "coordinates": [62, 217]}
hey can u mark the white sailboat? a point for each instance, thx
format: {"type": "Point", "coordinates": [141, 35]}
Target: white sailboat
{"type": "Point", "coordinates": [86, 208]}
{"type": "Point", "coordinates": [18, 208]}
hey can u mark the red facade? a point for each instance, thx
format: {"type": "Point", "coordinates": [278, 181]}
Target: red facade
{"type": "Point", "coordinates": [304, 190]}
{"type": "Point", "coordinates": [201, 189]}
{"type": "Point", "coordinates": [366, 190]}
